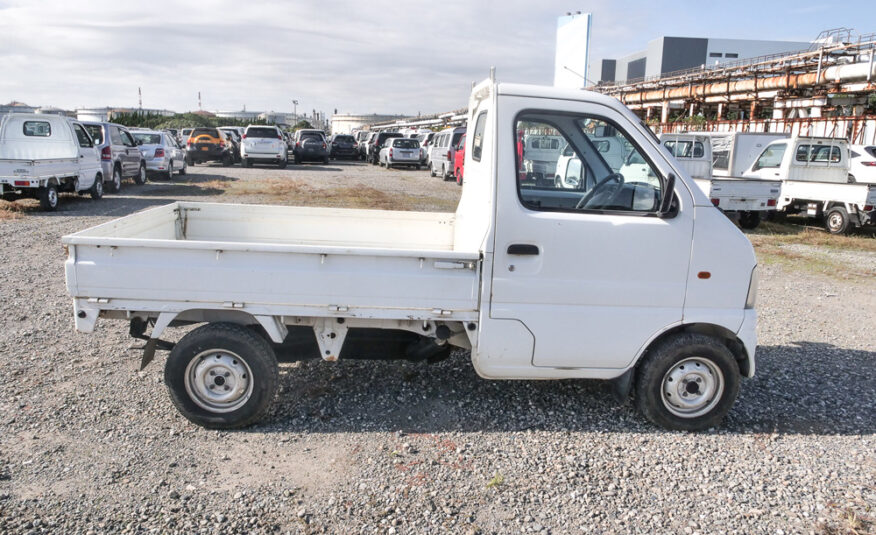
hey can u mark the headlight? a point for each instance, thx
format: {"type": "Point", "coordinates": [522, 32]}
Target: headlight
{"type": "Point", "coordinates": [751, 298]}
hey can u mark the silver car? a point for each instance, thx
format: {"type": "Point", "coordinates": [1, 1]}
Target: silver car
{"type": "Point", "coordinates": [119, 154]}
{"type": "Point", "coordinates": [162, 154]}
{"type": "Point", "coordinates": [400, 151]}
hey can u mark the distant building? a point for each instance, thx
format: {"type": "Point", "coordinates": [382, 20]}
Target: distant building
{"type": "Point", "coordinates": [106, 113]}
{"type": "Point", "coordinates": [242, 115]}
{"type": "Point", "coordinates": [668, 54]}
{"type": "Point", "coordinates": [346, 123]}
{"type": "Point", "coordinates": [17, 107]}
{"type": "Point", "coordinates": [51, 110]}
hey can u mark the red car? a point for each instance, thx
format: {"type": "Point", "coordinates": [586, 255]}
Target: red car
{"type": "Point", "coordinates": [459, 160]}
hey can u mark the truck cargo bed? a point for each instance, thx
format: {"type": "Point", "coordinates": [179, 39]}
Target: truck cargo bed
{"type": "Point", "coordinates": [276, 260]}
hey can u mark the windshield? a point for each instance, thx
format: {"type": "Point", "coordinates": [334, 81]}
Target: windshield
{"type": "Point", "coordinates": [148, 139]}
{"type": "Point", "coordinates": [212, 132]}
{"type": "Point", "coordinates": [262, 132]}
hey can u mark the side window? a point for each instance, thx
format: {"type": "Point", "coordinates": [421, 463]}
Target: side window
{"type": "Point", "coordinates": [96, 133]}
{"type": "Point", "coordinates": [802, 154]}
{"type": "Point", "coordinates": [37, 128]}
{"type": "Point", "coordinates": [82, 136]}
{"type": "Point", "coordinates": [115, 135]}
{"type": "Point", "coordinates": [579, 177]}
{"type": "Point", "coordinates": [771, 157]}
{"type": "Point", "coordinates": [477, 143]}
{"type": "Point", "coordinates": [127, 140]}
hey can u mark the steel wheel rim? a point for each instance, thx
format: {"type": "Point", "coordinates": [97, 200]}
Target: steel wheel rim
{"type": "Point", "coordinates": [142, 174]}
{"type": "Point", "coordinates": [692, 387]}
{"type": "Point", "coordinates": [835, 221]}
{"type": "Point", "coordinates": [98, 185]}
{"type": "Point", "coordinates": [52, 195]}
{"type": "Point", "coordinates": [219, 381]}
{"type": "Point", "coordinates": [117, 179]}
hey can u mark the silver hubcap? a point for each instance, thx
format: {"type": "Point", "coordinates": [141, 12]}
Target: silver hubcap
{"type": "Point", "coordinates": [117, 178]}
{"type": "Point", "coordinates": [53, 197]}
{"type": "Point", "coordinates": [692, 387]}
{"type": "Point", "coordinates": [98, 186]}
{"type": "Point", "coordinates": [218, 381]}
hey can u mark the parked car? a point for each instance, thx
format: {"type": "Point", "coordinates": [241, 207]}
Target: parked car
{"type": "Point", "coordinates": [459, 160]}
{"type": "Point", "coordinates": [120, 156]}
{"type": "Point", "coordinates": [263, 144]}
{"type": "Point", "coordinates": [645, 285]}
{"type": "Point", "coordinates": [343, 146]}
{"type": "Point", "coordinates": [400, 151]}
{"type": "Point", "coordinates": [209, 145]}
{"type": "Point", "coordinates": [362, 142]}
{"type": "Point", "coordinates": [441, 153]}
{"type": "Point", "coordinates": [161, 153]}
{"type": "Point", "coordinates": [310, 145]}
{"type": "Point", "coordinates": [425, 140]}
{"type": "Point", "coordinates": [862, 160]}
{"type": "Point", "coordinates": [236, 138]}
{"type": "Point", "coordinates": [376, 142]}
{"type": "Point", "coordinates": [43, 155]}
{"type": "Point", "coordinates": [184, 136]}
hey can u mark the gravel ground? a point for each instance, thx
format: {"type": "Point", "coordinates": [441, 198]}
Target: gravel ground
{"type": "Point", "coordinates": [90, 445]}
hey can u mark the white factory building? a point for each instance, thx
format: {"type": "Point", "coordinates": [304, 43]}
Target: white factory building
{"type": "Point", "coordinates": [346, 123]}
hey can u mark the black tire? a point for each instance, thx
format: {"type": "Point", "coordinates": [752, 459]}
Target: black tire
{"type": "Point", "coordinates": [325, 160]}
{"type": "Point", "coordinates": [190, 160]}
{"type": "Point", "coordinates": [432, 171]}
{"type": "Point", "coordinates": [852, 179]}
{"type": "Point", "coordinates": [96, 189]}
{"type": "Point", "coordinates": [704, 357]}
{"type": "Point", "coordinates": [417, 167]}
{"type": "Point", "coordinates": [229, 343]}
{"type": "Point", "coordinates": [169, 171]}
{"type": "Point", "coordinates": [227, 160]}
{"type": "Point", "coordinates": [837, 220]}
{"type": "Point", "coordinates": [116, 182]}
{"type": "Point", "coordinates": [49, 198]}
{"type": "Point", "coordinates": [140, 177]}
{"type": "Point", "coordinates": [749, 220]}
{"type": "Point", "coordinates": [282, 164]}
{"type": "Point", "coordinates": [184, 169]}
{"type": "Point", "coordinates": [297, 160]}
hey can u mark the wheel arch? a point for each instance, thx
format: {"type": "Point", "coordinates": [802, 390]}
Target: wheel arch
{"type": "Point", "coordinates": [273, 327]}
{"type": "Point", "coordinates": [722, 334]}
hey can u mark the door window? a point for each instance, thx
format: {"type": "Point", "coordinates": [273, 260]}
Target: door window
{"type": "Point", "coordinates": [817, 153]}
{"type": "Point", "coordinates": [581, 177]}
{"type": "Point", "coordinates": [127, 140]}
{"type": "Point", "coordinates": [771, 157]}
{"type": "Point", "coordinates": [477, 143]}
{"type": "Point", "coordinates": [685, 149]}
{"type": "Point", "coordinates": [115, 136]}
{"type": "Point", "coordinates": [82, 137]}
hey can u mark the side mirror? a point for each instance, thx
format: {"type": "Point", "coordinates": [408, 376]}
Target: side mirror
{"type": "Point", "coordinates": [666, 210]}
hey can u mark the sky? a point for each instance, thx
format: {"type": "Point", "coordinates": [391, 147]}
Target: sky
{"type": "Point", "coordinates": [376, 56]}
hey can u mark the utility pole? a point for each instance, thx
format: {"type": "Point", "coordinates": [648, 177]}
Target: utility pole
{"type": "Point", "coordinates": [295, 110]}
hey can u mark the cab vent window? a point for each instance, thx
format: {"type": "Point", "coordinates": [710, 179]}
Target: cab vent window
{"type": "Point", "coordinates": [477, 144]}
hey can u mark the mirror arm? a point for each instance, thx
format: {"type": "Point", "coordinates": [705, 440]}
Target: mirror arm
{"type": "Point", "coordinates": [666, 202]}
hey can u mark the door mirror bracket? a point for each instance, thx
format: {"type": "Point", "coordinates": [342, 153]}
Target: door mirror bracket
{"type": "Point", "coordinates": [667, 210]}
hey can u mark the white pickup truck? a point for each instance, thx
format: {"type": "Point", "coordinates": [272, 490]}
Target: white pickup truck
{"type": "Point", "coordinates": [42, 155]}
{"type": "Point", "coordinates": [643, 282]}
{"type": "Point", "coordinates": [747, 199]}
{"type": "Point", "coordinates": [815, 180]}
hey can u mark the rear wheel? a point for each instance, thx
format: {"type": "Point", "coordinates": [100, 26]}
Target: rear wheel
{"type": "Point", "coordinates": [227, 160]}
{"type": "Point", "coordinates": [687, 382]}
{"type": "Point", "coordinates": [96, 190]}
{"type": "Point", "coordinates": [116, 184]}
{"type": "Point", "coordinates": [140, 177]}
{"type": "Point", "coordinates": [282, 164]}
{"type": "Point", "coordinates": [184, 168]}
{"type": "Point", "coordinates": [222, 376]}
{"type": "Point", "coordinates": [432, 170]}
{"type": "Point", "coordinates": [837, 220]}
{"type": "Point", "coordinates": [458, 176]}
{"type": "Point", "coordinates": [325, 160]}
{"type": "Point", "coordinates": [170, 170]}
{"type": "Point", "coordinates": [49, 198]}
{"type": "Point", "coordinates": [749, 220]}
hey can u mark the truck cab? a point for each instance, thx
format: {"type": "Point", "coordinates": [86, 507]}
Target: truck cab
{"type": "Point", "coordinates": [810, 159]}
{"type": "Point", "coordinates": [634, 279]}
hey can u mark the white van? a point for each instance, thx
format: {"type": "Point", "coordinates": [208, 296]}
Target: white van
{"type": "Point", "coordinates": [442, 151]}
{"type": "Point", "coordinates": [43, 155]}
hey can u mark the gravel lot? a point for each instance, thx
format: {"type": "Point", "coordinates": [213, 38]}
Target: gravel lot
{"type": "Point", "coordinates": [90, 445]}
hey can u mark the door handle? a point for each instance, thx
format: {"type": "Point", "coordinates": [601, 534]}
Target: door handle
{"type": "Point", "coordinates": [522, 249]}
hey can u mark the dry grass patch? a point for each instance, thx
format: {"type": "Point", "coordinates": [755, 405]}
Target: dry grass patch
{"type": "Point", "coordinates": [296, 192]}
{"type": "Point", "coordinates": [10, 210]}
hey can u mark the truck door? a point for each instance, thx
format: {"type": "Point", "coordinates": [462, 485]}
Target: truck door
{"type": "Point", "coordinates": [592, 272]}
{"type": "Point", "coordinates": [89, 164]}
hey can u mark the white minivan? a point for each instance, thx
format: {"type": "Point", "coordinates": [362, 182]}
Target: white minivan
{"type": "Point", "coordinates": [442, 151]}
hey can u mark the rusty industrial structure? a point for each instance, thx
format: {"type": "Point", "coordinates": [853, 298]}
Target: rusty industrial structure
{"type": "Point", "coordinates": [827, 90]}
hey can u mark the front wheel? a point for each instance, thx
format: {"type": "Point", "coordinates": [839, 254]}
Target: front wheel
{"type": "Point", "coordinates": [222, 376]}
{"type": "Point", "coordinates": [687, 382]}
{"type": "Point", "coordinates": [837, 220]}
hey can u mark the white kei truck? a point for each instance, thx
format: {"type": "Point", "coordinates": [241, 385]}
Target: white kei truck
{"type": "Point", "coordinates": [815, 180]}
{"type": "Point", "coordinates": [643, 282]}
{"type": "Point", "coordinates": [749, 200]}
{"type": "Point", "coordinates": [43, 154]}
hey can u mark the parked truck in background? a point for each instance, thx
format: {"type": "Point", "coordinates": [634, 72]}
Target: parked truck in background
{"type": "Point", "coordinates": [748, 200]}
{"type": "Point", "coordinates": [814, 172]}
{"type": "Point", "coordinates": [639, 280]}
{"type": "Point", "coordinates": [42, 155]}
{"type": "Point", "coordinates": [734, 152]}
